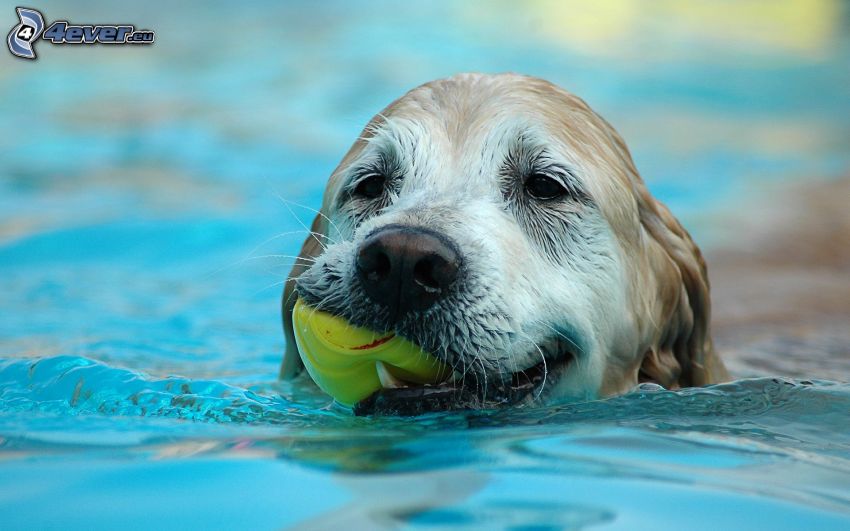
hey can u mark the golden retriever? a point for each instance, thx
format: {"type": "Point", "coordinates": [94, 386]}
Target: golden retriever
{"type": "Point", "coordinates": [500, 223]}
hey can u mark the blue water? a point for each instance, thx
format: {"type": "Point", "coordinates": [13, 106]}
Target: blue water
{"type": "Point", "coordinates": [151, 199]}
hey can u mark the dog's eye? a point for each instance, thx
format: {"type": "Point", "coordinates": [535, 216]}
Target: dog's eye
{"type": "Point", "coordinates": [540, 186]}
{"type": "Point", "coordinates": [371, 187]}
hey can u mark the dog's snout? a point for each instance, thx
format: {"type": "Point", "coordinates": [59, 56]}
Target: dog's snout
{"type": "Point", "coordinates": [406, 268]}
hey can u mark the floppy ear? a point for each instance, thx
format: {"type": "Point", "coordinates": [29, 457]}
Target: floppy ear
{"type": "Point", "coordinates": [681, 353]}
{"type": "Point", "coordinates": [312, 248]}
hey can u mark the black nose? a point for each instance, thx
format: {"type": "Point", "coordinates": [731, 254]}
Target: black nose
{"type": "Point", "coordinates": [406, 268]}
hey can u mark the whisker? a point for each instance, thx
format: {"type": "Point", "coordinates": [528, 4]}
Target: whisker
{"type": "Point", "coordinates": [249, 256]}
{"type": "Point", "coordinates": [542, 356]}
{"type": "Point", "coordinates": [293, 294]}
{"type": "Point", "coordinates": [294, 257]}
{"type": "Point", "coordinates": [286, 203]}
{"type": "Point", "coordinates": [281, 235]}
{"type": "Point", "coordinates": [272, 285]}
{"type": "Point", "coordinates": [317, 212]}
{"type": "Point", "coordinates": [561, 335]}
{"type": "Point", "coordinates": [480, 361]}
{"type": "Point", "coordinates": [321, 244]}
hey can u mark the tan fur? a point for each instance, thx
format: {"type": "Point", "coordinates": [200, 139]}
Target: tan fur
{"type": "Point", "coordinates": [680, 352]}
{"type": "Point", "coordinates": [668, 282]}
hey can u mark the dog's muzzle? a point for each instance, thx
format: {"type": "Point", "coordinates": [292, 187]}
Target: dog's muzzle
{"type": "Point", "coordinates": [404, 268]}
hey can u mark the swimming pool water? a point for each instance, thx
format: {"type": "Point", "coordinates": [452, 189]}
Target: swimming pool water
{"type": "Point", "coordinates": [86, 443]}
{"type": "Point", "coordinates": [151, 199]}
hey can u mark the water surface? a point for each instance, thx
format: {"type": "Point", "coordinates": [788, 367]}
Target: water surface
{"type": "Point", "coordinates": [151, 200]}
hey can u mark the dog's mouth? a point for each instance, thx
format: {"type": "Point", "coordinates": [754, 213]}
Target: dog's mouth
{"type": "Point", "coordinates": [467, 391]}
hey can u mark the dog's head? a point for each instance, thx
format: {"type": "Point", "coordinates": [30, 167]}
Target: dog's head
{"type": "Point", "coordinates": [499, 223]}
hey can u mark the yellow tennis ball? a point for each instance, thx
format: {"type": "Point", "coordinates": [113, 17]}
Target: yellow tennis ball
{"type": "Point", "coordinates": [346, 361]}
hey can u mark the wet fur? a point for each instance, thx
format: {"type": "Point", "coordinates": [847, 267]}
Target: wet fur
{"type": "Point", "coordinates": [610, 273]}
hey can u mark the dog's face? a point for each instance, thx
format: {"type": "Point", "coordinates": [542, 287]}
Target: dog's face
{"type": "Point", "coordinates": [500, 224]}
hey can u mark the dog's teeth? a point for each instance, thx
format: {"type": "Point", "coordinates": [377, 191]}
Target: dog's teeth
{"type": "Point", "coordinates": [388, 381]}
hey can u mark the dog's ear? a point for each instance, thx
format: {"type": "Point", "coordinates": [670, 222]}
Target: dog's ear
{"type": "Point", "coordinates": [681, 353]}
{"type": "Point", "coordinates": [312, 248]}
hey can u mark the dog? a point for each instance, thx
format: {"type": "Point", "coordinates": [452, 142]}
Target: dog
{"type": "Point", "coordinates": [500, 224]}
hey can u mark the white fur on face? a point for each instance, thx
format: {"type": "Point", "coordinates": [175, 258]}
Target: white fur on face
{"type": "Point", "coordinates": [534, 274]}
